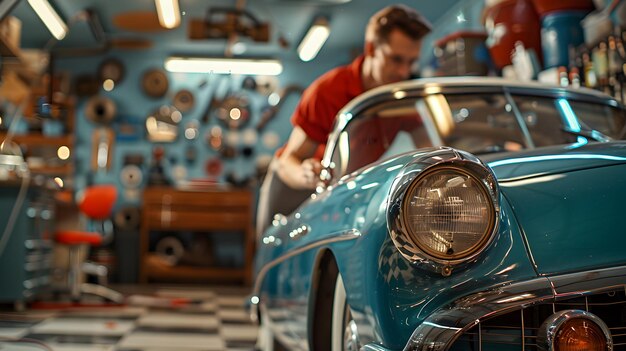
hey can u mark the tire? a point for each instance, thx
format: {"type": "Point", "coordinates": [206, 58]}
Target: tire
{"type": "Point", "coordinates": [344, 335]}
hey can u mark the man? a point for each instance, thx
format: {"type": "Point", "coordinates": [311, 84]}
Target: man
{"type": "Point", "coordinates": [392, 45]}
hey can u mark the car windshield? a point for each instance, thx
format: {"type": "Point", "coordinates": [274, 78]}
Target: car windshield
{"type": "Point", "coordinates": [478, 123]}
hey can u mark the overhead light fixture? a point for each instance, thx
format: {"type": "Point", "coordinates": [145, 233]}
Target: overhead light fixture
{"type": "Point", "coordinates": [314, 40]}
{"type": "Point", "coordinates": [50, 18]}
{"type": "Point", "coordinates": [168, 12]}
{"type": "Point", "coordinates": [224, 66]}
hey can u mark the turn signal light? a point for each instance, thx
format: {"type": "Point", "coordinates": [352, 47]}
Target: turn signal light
{"type": "Point", "coordinates": [580, 334]}
{"type": "Point", "coordinates": [574, 330]}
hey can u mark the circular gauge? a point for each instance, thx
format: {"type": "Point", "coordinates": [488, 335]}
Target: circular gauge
{"type": "Point", "coordinates": [184, 100]}
{"type": "Point", "coordinates": [131, 176]}
{"type": "Point", "coordinates": [112, 69]}
{"type": "Point", "coordinates": [155, 83]}
{"type": "Point", "coordinates": [234, 111]}
{"type": "Point", "coordinates": [100, 109]}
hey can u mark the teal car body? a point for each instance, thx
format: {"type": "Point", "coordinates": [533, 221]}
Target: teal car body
{"type": "Point", "coordinates": [555, 241]}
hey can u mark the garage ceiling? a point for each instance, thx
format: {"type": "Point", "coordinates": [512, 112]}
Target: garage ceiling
{"type": "Point", "coordinates": [289, 20]}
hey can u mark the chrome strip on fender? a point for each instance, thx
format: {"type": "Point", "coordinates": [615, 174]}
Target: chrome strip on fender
{"type": "Point", "coordinates": [344, 236]}
{"type": "Point", "coordinates": [440, 330]}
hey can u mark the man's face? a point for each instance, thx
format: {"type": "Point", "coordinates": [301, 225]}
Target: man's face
{"type": "Point", "coordinates": [392, 61]}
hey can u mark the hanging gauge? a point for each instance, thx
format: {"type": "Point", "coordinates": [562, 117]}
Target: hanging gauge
{"type": "Point", "coordinates": [184, 100]}
{"type": "Point", "coordinates": [111, 69]}
{"type": "Point", "coordinates": [191, 130]}
{"type": "Point", "coordinates": [155, 83]}
{"type": "Point", "coordinates": [100, 109]}
{"type": "Point", "coordinates": [234, 111]}
{"type": "Point", "coordinates": [131, 176]}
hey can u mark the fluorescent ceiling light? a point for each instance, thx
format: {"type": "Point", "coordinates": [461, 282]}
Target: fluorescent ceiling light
{"type": "Point", "coordinates": [169, 13]}
{"type": "Point", "coordinates": [50, 18]}
{"type": "Point", "coordinates": [314, 40]}
{"type": "Point", "coordinates": [224, 66]}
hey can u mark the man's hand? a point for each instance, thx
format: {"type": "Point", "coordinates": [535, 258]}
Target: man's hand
{"type": "Point", "coordinates": [311, 169]}
{"type": "Point", "coordinates": [295, 166]}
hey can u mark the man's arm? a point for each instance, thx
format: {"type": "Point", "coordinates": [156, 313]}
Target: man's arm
{"type": "Point", "coordinates": [295, 166]}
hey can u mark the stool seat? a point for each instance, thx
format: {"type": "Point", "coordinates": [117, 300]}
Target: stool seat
{"type": "Point", "coordinates": [77, 237]}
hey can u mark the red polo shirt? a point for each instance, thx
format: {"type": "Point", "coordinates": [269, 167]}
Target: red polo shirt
{"type": "Point", "coordinates": [323, 99]}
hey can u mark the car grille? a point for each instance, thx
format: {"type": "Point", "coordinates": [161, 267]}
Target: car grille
{"type": "Point", "coordinates": [518, 330]}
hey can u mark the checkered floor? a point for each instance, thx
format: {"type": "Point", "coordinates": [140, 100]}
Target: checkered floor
{"type": "Point", "coordinates": [210, 319]}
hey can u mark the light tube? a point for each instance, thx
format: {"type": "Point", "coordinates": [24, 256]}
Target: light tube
{"type": "Point", "coordinates": [168, 12]}
{"type": "Point", "coordinates": [224, 66]}
{"type": "Point", "coordinates": [313, 40]}
{"type": "Point", "coordinates": [50, 18]}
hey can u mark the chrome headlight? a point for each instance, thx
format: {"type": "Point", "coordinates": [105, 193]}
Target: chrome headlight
{"type": "Point", "coordinates": [447, 214]}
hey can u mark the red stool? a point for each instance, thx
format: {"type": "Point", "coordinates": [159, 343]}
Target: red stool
{"type": "Point", "coordinates": [95, 205]}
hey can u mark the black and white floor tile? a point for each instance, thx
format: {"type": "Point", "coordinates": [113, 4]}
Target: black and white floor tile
{"type": "Point", "coordinates": [213, 320]}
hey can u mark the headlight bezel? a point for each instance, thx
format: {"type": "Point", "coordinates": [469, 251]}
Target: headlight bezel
{"type": "Point", "coordinates": [446, 159]}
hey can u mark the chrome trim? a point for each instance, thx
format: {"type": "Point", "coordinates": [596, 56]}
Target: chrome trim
{"type": "Point", "coordinates": [342, 236]}
{"type": "Point", "coordinates": [441, 157]}
{"type": "Point", "coordinates": [552, 325]}
{"type": "Point", "coordinates": [457, 85]}
{"type": "Point", "coordinates": [351, 337]}
{"type": "Point", "coordinates": [441, 329]}
{"type": "Point", "coordinates": [530, 144]}
{"type": "Point", "coordinates": [439, 85]}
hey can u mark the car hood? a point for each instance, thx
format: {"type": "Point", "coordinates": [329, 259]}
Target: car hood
{"type": "Point", "coordinates": [569, 203]}
{"type": "Point", "coordinates": [555, 160]}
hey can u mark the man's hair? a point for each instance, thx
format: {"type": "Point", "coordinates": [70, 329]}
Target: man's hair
{"type": "Point", "coordinates": [400, 17]}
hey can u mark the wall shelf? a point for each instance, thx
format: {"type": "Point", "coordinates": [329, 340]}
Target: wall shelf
{"type": "Point", "coordinates": [40, 139]}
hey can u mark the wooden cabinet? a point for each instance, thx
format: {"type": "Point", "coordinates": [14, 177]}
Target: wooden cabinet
{"type": "Point", "coordinates": [210, 209]}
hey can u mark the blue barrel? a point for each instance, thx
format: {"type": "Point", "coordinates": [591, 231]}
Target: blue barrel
{"type": "Point", "coordinates": [561, 31]}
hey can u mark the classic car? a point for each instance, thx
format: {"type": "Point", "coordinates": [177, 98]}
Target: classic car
{"type": "Point", "coordinates": [456, 214]}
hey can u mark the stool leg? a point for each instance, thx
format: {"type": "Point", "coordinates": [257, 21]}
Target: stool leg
{"type": "Point", "coordinates": [74, 276]}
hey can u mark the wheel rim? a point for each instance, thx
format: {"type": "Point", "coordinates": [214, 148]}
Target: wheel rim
{"type": "Point", "coordinates": [350, 336]}
{"type": "Point", "coordinates": [345, 336]}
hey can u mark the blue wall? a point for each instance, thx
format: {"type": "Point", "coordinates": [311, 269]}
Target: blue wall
{"type": "Point", "coordinates": [134, 106]}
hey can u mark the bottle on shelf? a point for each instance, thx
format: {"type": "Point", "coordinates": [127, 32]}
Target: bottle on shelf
{"type": "Point", "coordinates": [563, 79]}
{"type": "Point", "coordinates": [600, 65]}
{"type": "Point", "coordinates": [614, 62]}
{"type": "Point", "coordinates": [574, 77]}
{"type": "Point", "coordinates": [589, 73]}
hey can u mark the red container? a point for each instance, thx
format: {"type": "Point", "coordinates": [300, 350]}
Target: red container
{"type": "Point", "coordinates": [544, 7]}
{"type": "Point", "coordinates": [508, 22]}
